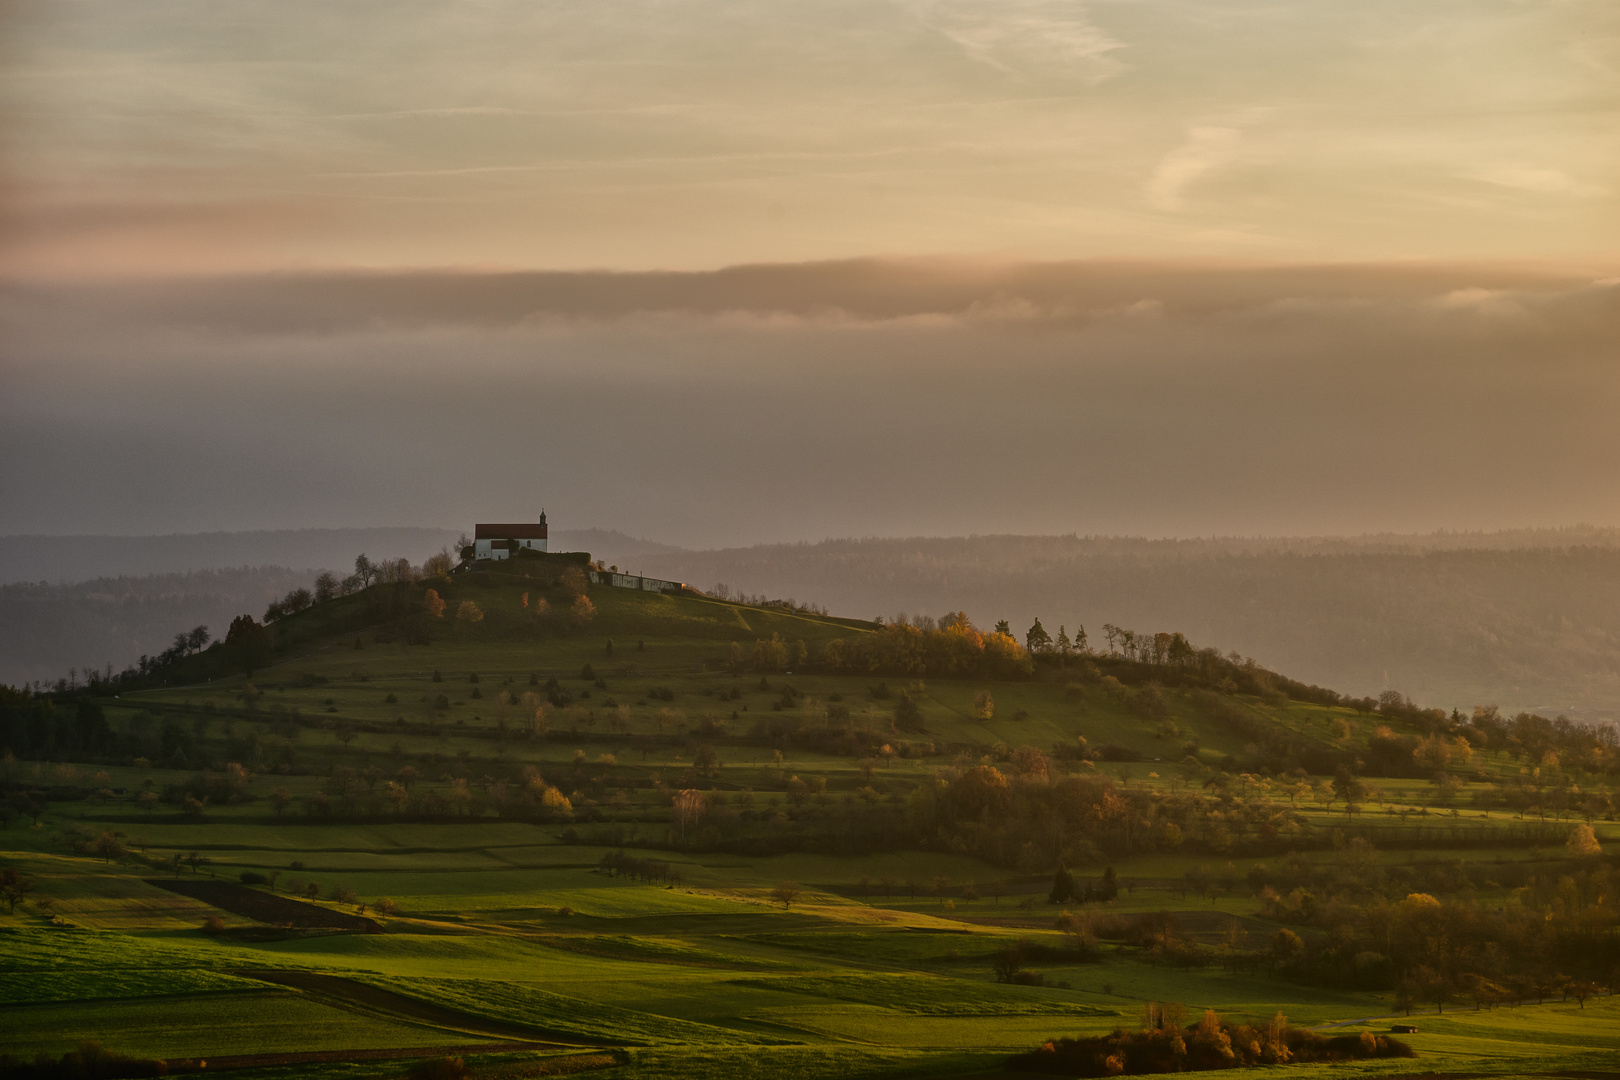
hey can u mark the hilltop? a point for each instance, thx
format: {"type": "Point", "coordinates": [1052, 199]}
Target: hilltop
{"type": "Point", "coordinates": [85, 602]}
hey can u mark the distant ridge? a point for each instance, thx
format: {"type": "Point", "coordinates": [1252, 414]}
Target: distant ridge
{"type": "Point", "coordinates": [610, 545]}
{"type": "Point", "coordinates": [67, 559]}
{"type": "Point", "coordinates": [61, 560]}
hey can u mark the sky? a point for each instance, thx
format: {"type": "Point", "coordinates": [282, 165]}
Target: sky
{"type": "Point", "coordinates": [717, 273]}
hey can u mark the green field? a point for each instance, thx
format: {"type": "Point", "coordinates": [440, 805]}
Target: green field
{"type": "Point", "coordinates": [474, 830]}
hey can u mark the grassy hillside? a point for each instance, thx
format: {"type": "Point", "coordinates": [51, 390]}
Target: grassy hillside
{"type": "Point", "coordinates": [683, 837]}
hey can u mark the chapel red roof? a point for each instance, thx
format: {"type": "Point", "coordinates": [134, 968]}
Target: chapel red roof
{"type": "Point", "coordinates": [526, 531]}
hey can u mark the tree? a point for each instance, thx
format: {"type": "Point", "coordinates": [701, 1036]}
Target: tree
{"type": "Point", "coordinates": [109, 846]}
{"type": "Point", "coordinates": [326, 586]}
{"type": "Point", "coordinates": [1348, 789]}
{"type": "Point", "coordinates": [582, 611]}
{"type": "Point", "coordinates": [1036, 639]}
{"type": "Point", "coordinates": [1004, 628]}
{"type": "Point", "coordinates": [295, 601]}
{"type": "Point", "coordinates": [434, 603]}
{"type": "Point", "coordinates": [364, 570]}
{"type": "Point", "coordinates": [786, 893]}
{"type": "Point", "coordinates": [469, 613]}
{"type": "Point", "coordinates": [688, 809]}
{"type": "Point", "coordinates": [1285, 946]}
{"type": "Point", "coordinates": [984, 706]}
{"type": "Point", "coordinates": [1427, 984]}
{"type": "Point", "coordinates": [1008, 963]}
{"type": "Point", "coordinates": [14, 887]}
{"type": "Point", "coordinates": [907, 716]}
{"type": "Point", "coordinates": [572, 581]}
{"type": "Point", "coordinates": [439, 564]}
{"type": "Point", "coordinates": [1583, 843]}
{"type": "Point", "coordinates": [1064, 645]}
{"type": "Point", "coordinates": [189, 641]}
{"type": "Point", "coordinates": [1063, 890]}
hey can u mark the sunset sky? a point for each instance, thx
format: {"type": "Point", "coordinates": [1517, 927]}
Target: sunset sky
{"type": "Point", "coordinates": [263, 264]}
{"type": "Point", "coordinates": [181, 135]}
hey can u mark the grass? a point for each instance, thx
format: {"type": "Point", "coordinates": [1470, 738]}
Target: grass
{"type": "Point", "coordinates": [559, 1014]}
{"type": "Point", "coordinates": [869, 974]}
{"type": "Point", "coordinates": [929, 996]}
{"type": "Point", "coordinates": [206, 1025]}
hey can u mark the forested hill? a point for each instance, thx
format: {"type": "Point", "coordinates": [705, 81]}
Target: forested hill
{"type": "Point", "coordinates": [1527, 620]}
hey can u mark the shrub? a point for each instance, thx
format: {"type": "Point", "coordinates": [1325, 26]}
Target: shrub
{"type": "Point", "coordinates": [1211, 1043]}
{"type": "Point", "coordinates": [87, 1061]}
{"type": "Point", "coordinates": [449, 1068]}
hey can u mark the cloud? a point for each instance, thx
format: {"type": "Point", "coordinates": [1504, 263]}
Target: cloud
{"type": "Point", "coordinates": [1206, 148]}
{"type": "Point", "coordinates": [882, 397]}
{"type": "Point", "coordinates": [1026, 36]}
{"type": "Point", "coordinates": [1541, 181]}
{"type": "Point", "coordinates": [852, 292]}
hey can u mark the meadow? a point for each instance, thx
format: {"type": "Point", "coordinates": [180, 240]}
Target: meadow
{"type": "Point", "coordinates": [653, 843]}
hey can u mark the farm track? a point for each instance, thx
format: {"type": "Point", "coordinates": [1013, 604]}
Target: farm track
{"type": "Point", "coordinates": [373, 999]}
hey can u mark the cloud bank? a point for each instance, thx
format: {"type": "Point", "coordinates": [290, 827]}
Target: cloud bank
{"type": "Point", "coordinates": [805, 401]}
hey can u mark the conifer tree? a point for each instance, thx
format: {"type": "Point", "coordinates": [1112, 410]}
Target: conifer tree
{"type": "Point", "coordinates": [1063, 889]}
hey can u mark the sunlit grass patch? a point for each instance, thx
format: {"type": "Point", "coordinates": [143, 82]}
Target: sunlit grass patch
{"type": "Point", "coordinates": [273, 1021]}
{"type": "Point", "coordinates": [548, 1012]}
{"type": "Point", "coordinates": [928, 995]}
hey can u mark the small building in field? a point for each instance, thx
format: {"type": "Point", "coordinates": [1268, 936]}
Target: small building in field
{"type": "Point", "coordinates": [499, 541]}
{"type": "Point", "coordinates": [612, 577]}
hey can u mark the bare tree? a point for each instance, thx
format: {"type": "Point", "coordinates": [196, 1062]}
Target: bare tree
{"type": "Point", "coordinates": [786, 893]}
